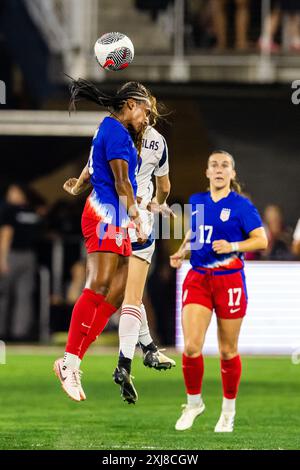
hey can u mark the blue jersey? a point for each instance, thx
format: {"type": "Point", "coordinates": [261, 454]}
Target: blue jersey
{"type": "Point", "coordinates": [111, 141]}
{"type": "Point", "coordinates": [231, 219]}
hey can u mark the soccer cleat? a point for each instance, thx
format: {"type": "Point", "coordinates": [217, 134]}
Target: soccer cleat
{"type": "Point", "coordinates": [122, 378]}
{"type": "Point", "coordinates": [158, 360]}
{"type": "Point", "coordinates": [189, 414]}
{"type": "Point", "coordinates": [69, 379]}
{"type": "Point", "coordinates": [226, 422]}
{"type": "Point", "coordinates": [81, 391]}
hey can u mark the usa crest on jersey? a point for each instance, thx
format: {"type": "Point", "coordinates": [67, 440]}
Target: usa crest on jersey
{"type": "Point", "coordinates": [119, 239]}
{"type": "Point", "coordinates": [225, 214]}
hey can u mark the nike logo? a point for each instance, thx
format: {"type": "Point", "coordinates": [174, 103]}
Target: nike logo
{"type": "Point", "coordinates": [60, 374]}
{"type": "Point", "coordinates": [195, 212]}
{"type": "Point", "coordinates": [86, 326]}
{"type": "Point", "coordinates": [234, 310]}
{"type": "Point", "coordinates": [224, 371]}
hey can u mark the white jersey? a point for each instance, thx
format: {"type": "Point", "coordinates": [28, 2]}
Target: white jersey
{"type": "Point", "coordinates": [154, 162]}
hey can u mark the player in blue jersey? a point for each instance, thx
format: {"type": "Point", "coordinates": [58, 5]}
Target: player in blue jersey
{"type": "Point", "coordinates": [127, 288]}
{"type": "Point", "coordinates": [224, 224]}
{"type": "Point", "coordinates": [107, 214]}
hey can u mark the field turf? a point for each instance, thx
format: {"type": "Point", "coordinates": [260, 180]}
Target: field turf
{"type": "Point", "coordinates": [36, 414]}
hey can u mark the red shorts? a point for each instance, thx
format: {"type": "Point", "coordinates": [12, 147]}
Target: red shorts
{"type": "Point", "coordinates": [225, 293]}
{"type": "Point", "coordinates": [100, 236]}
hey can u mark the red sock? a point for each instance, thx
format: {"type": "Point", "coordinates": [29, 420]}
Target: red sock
{"type": "Point", "coordinates": [103, 314]}
{"type": "Point", "coordinates": [231, 371]}
{"type": "Point", "coordinates": [193, 370]}
{"type": "Point", "coordinates": [83, 315]}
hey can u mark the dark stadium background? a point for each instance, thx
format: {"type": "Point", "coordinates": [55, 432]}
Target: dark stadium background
{"type": "Point", "coordinates": [238, 100]}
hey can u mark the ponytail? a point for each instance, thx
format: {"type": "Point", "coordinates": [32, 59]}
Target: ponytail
{"type": "Point", "coordinates": [235, 186]}
{"type": "Point", "coordinates": [84, 89]}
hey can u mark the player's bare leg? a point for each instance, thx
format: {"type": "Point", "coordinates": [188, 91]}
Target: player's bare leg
{"type": "Point", "coordinates": [101, 268]}
{"type": "Point", "coordinates": [195, 322]}
{"type": "Point", "coordinates": [228, 335]}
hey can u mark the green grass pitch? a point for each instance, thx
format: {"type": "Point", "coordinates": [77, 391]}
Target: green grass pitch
{"type": "Point", "coordinates": [36, 414]}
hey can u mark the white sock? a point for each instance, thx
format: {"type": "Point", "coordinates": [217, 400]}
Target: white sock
{"type": "Point", "coordinates": [228, 405]}
{"type": "Point", "coordinates": [194, 400]}
{"type": "Point", "coordinates": [70, 360]}
{"type": "Point", "coordinates": [129, 327]}
{"type": "Point", "coordinates": [144, 334]}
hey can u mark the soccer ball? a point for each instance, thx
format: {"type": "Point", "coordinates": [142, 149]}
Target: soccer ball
{"type": "Point", "coordinates": [114, 51]}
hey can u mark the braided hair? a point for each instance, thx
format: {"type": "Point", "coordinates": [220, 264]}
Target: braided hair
{"type": "Point", "coordinates": [84, 89]}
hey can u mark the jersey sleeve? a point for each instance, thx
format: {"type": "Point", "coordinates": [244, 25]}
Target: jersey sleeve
{"type": "Point", "coordinates": [250, 218]}
{"type": "Point", "coordinates": [162, 168]}
{"type": "Point", "coordinates": [117, 145]}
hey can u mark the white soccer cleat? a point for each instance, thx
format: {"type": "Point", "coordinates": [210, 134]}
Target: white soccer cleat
{"type": "Point", "coordinates": [81, 391]}
{"type": "Point", "coordinates": [69, 379]}
{"type": "Point", "coordinates": [226, 422]}
{"type": "Point", "coordinates": [189, 414]}
{"type": "Point", "coordinates": [158, 360]}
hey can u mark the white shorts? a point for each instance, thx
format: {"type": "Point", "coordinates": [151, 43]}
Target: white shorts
{"type": "Point", "coordinates": [146, 250]}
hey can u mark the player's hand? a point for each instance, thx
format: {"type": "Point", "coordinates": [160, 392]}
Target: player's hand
{"type": "Point", "coordinates": [140, 234]}
{"type": "Point", "coordinates": [176, 260]}
{"type": "Point", "coordinates": [221, 247]}
{"type": "Point", "coordinates": [70, 186]}
{"type": "Point", "coordinates": [162, 209]}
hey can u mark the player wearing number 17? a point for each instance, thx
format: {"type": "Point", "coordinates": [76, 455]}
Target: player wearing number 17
{"type": "Point", "coordinates": [224, 224]}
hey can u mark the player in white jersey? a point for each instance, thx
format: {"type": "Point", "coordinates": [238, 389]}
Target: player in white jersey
{"type": "Point", "coordinates": [133, 326]}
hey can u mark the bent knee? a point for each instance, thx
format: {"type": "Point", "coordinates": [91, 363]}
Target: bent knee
{"type": "Point", "coordinates": [228, 353]}
{"type": "Point", "coordinates": [192, 349]}
{"type": "Point", "coordinates": [98, 287]}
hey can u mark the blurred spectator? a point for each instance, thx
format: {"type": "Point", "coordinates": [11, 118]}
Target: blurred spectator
{"type": "Point", "coordinates": [78, 276]}
{"type": "Point", "coordinates": [154, 7]}
{"type": "Point", "coordinates": [279, 236]}
{"type": "Point", "coordinates": [162, 290]}
{"type": "Point", "coordinates": [296, 240]}
{"type": "Point", "coordinates": [199, 16]}
{"type": "Point", "coordinates": [220, 20]}
{"type": "Point", "coordinates": [281, 9]}
{"type": "Point", "coordinates": [20, 230]}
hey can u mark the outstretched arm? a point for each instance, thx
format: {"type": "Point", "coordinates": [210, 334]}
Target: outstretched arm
{"type": "Point", "coordinates": [76, 186]}
{"type": "Point", "coordinates": [163, 187]}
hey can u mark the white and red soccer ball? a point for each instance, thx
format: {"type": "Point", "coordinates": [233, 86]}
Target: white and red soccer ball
{"type": "Point", "coordinates": [114, 51]}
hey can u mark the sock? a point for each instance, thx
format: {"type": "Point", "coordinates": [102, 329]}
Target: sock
{"type": "Point", "coordinates": [103, 314]}
{"type": "Point", "coordinates": [228, 405]}
{"type": "Point", "coordinates": [144, 334]}
{"type": "Point", "coordinates": [129, 327]}
{"type": "Point", "coordinates": [194, 400]}
{"type": "Point", "coordinates": [83, 315]}
{"type": "Point", "coordinates": [193, 370]}
{"type": "Point", "coordinates": [231, 371]}
{"type": "Point", "coordinates": [70, 360]}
